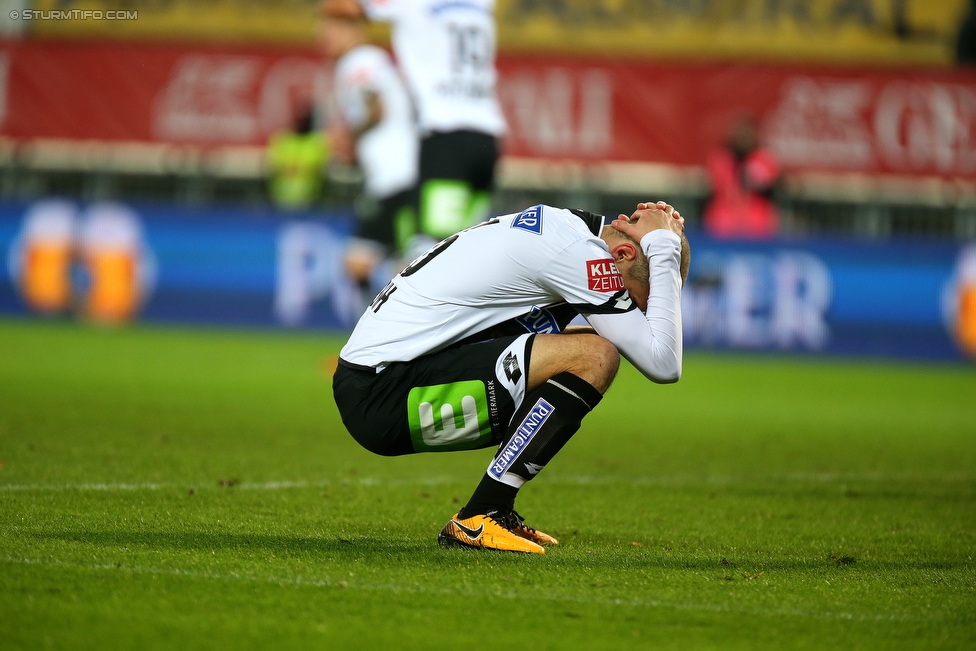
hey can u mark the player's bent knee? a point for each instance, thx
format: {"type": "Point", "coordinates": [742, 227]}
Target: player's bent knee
{"type": "Point", "coordinates": [595, 360]}
{"type": "Point", "coordinates": [588, 356]}
{"type": "Point", "coordinates": [603, 357]}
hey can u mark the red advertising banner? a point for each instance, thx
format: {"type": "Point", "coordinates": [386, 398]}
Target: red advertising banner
{"type": "Point", "coordinates": [153, 93]}
{"type": "Point", "coordinates": [816, 119]}
{"type": "Point", "coordinates": [835, 120]}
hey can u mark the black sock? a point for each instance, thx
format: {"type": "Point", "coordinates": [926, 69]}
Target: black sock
{"type": "Point", "coordinates": [547, 419]}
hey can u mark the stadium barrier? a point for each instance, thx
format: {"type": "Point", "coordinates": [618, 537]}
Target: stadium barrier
{"type": "Point", "coordinates": [111, 262]}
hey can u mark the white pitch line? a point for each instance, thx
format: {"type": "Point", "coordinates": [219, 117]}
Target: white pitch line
{"type": "Point", "coordinates": [300, 581]}
{"type": "Point", "coordinates": [84, 487]}
{"type": "Point", "coordinates": [581, 480]}
{"type": "Point", "coordinates": [245, 485]}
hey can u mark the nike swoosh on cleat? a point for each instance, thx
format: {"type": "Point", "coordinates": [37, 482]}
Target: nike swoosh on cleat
{"type": "Point", "coordinates": [472, 534]}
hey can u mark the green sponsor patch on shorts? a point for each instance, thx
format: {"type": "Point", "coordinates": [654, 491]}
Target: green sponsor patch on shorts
{"type": "Point", "coordinates": [449, 417]}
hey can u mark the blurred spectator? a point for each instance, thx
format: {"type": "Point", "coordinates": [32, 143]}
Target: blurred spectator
{"type": "Point", "coordinates": [966, 41]}
{"type": "Point", "coordinates": [377, 118]}
{"type": "Point", "coordinates": [295, 163]}
{"type": "Point", "coordinates": [446, 51]}
{"type": "Point", "coordinates": [743, 176]}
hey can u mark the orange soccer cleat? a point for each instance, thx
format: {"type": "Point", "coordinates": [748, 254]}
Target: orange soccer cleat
{"type": "Point", "coordinates": [515, 523]}
{"type": "Point", "coordinates": [485, 532]}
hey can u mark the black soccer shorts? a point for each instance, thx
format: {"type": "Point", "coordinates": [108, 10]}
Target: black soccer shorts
{"type": "Point", "coordinates": [391, 221]}
{"type": "Point", "coordinates": [457, 174]}
{"type": "Point", "coordinates": [461, 398]}
{"type": "Point", "coordinates": [468, 156]}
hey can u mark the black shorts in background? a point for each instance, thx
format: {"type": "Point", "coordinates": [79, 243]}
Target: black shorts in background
{"type": "Point", "coordinates": [468, 156]}
{"type": "Point", "coordinates": [377, 219]}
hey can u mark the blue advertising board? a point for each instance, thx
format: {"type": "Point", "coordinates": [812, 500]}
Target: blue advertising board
{"type": "Point", "coordinates": [204, 265]}
{"type": "Point", "coordinates": [897, 298]}
{"type": "Point", "coordinates": [246, 267]}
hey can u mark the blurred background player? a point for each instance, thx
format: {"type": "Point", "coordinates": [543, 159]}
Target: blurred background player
{"type": "Point", "coordinates": [743, 176]}
{"type": "Point", "coordinates": [446, 51]}
{"type": "Point", "coordinates": [295, 162]}
{"type": "Point", "coordinates": [377, 120]}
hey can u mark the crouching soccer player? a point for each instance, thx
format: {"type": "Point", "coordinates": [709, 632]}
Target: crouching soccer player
{"type": "Point", "coordinates": [466, 348]}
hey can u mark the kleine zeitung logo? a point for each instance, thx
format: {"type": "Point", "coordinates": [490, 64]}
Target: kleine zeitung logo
{"type": "Point", "coordinates": [603, 276]}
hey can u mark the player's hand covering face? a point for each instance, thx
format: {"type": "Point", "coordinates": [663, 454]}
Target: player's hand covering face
{"type": "Point", "coordinates": [649, 217]}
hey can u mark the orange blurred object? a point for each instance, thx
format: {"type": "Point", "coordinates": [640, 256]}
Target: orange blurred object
{"type": "Point", "coordinates": [48, 253]}
{"type": "Point", "coordinates": [329, 365]}
{"type": "Point", "coordinates": [113, 296]}
{"type": "Point", "coordinates": [966, 320]}
{"type": "Point", "coordinates": [110, 245]}
{"type": "Point", "coordinates": [46, 279]}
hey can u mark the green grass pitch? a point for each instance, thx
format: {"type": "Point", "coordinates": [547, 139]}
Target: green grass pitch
{"type": "Point", "coordinates": [195, 489]}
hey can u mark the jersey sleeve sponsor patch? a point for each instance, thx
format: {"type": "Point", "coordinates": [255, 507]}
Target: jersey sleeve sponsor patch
{"type": "Point", "coordinates": [529, 220]}
{"type": "Point", "coordinates": [603, 276]}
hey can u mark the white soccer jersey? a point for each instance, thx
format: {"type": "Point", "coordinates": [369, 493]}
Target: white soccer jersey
{"type": "Point", "coordinates": [446, 50]}
{"type": "Point", "coordinates": [389, 152]}
{"type": "Point", "coordinates": [528, 272]}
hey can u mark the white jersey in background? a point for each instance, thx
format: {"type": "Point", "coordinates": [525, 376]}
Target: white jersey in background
{"type": "Point", "coordinates": [446, 50]}
{"type": "Point", "coordinates": [523, 273]}
{"type": "Point", "coordinates": [389, 152]}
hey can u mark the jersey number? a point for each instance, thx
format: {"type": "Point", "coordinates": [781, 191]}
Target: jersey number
{"type": "Point", "coordinates": [435, 251]}
{"type": "Point", "coordinates": [382, 297]}
{"type": "Point", "coordinates": [439, 248]}
{"type": "Point", "coordinates": [470, 48]}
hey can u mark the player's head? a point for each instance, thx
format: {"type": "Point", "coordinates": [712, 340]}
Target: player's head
{"type": "Point", "coordinates": [341, 27]}
{"type": "Point", "coordinates": [632, 263]}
